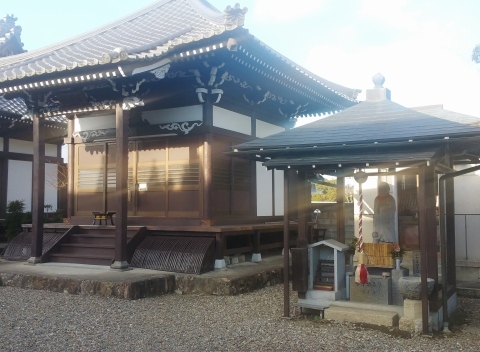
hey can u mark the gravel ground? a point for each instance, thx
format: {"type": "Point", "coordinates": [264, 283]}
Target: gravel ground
{"type": "Point", "coordinates": [45, 321]}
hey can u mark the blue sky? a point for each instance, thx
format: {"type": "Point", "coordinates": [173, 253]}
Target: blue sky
{"type": "Point", "coordinates": [422, 47]}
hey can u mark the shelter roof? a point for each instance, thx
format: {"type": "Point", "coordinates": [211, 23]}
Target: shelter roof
{"type": "Point", "coordinates": [377, 133]}
{"type": "Point", "coordinates": [370, 122]}
{"type": "Point", "coordinates": [358, 160]}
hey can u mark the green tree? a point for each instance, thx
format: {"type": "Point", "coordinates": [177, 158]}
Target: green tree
{"type": "Point", "coordinates": [327, 193]}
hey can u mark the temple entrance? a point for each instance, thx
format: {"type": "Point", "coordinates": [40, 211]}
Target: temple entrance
{"type": "Point", "coordinates": [163, 178]}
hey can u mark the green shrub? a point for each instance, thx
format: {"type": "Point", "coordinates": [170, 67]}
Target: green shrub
{"type": "Point", "coordinates": [14, 218]}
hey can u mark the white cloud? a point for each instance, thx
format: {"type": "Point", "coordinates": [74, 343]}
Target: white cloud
{"type": "Point", "coordinates": [417, 73]}
{"type": "Point", "coordinates": [282, 10]}
{"type": "Point", "coordinates": [430, 64]}
{"type": "Point", "coordinates": [393, 13]}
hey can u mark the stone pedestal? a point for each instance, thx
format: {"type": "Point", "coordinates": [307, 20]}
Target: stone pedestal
{"type": "Point", "coordinates": [412, 317]}
{"type": "Point", "coordinates": [378, 291]}
{"type": "Point", "coordinates": [220, 264]}
{"type": "Point", "coordinates": [256, 257]}
{"type": "Point", "coordinates": [397, 297]}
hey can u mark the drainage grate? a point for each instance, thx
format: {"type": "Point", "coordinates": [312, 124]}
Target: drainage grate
{"type": "Point", "coordinates": [20, 247]}
{"type": "Point", "coordinates": [191, 255]}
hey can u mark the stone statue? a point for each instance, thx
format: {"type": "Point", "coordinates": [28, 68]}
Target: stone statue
{"type": "Point", "coordinates": [384, 214]}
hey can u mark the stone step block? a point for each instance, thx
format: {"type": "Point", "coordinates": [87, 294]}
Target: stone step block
{"type": "Point", "coordinates": [358, 315]}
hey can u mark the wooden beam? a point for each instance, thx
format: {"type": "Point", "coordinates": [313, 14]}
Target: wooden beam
{"type": "Point", "coordinates": [121, 258]}
{"type": "Point", "coordinates": [431, 224]}
{"type": "Point", "coordinates": [207, 116]}
{"type": "Point", "coordinates": [303, 208]}
{"type": "Point", "coordinates": [4, 179]}
{"type": "Point", "coordinates": [423, 236]}
{"type": "Point", "coordinates": [71, 168]}
{"type": "Point", "coordinates": [38, 189]}
{"type": "Point", "coordinates": [341, 209]}
{"type": "Point", "coordinates": [286, 242]}
{"type": "Point", "coordinates": [450, 226]}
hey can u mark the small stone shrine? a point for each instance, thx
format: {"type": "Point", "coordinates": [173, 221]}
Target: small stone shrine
{"type": "Point", "coordinates": [327, 273]}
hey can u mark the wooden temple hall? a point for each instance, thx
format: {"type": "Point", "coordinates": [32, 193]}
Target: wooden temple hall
{"type": "Point", "coordinates": [152, 103]}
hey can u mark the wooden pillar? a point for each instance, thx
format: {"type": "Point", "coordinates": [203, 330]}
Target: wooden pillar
{"type": "Point", "coordinates": [121, 189]}
{"type": "Point", "coordinates": [253, 169]}
{"type": "Point", "coordinates": [303, 208]}
{"type": "Point", "coordinates": [341, 209]}
{"type": "Point", "coordinates": [4, 177]}
{"type": "Point", "coordinates": [253, 188]}
{"type": "Point", "coordinates": [207, 163]}
{"type": "Point", "coordinates": [424, 178]}
{"type": "Point", "coordinates": [286, 244]}
{"type": "Point", "coordinates": [450, 226]}
{"type": "Point", "coordinates": [38, 190]}
{"type": "Point", "coordinates": [71, 168]}
{"type": "Point", "coordinates": [431, 224]}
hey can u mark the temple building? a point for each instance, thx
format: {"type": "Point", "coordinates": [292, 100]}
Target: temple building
{"type": "Point", "coordinates": [153, 102]}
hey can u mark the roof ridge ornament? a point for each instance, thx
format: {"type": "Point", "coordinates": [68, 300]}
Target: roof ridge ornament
{"type": "Point", "coordinates": [378, 79]}
{"type": "Point", "coordinates": [235, 16]}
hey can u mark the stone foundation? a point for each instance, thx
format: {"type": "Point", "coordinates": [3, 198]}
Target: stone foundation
{"type": "Point", "coordinates": [154, 286]}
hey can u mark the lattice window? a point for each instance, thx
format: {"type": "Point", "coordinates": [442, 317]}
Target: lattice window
{"type": "Point", "coordinates": [184, 174]}
{"type": "Point", "coordinates": [152, 175]}
{"type": "Point", "coordinates": [90, 178]}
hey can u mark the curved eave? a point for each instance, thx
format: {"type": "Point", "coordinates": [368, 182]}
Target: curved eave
{"type": "Point", "coordinates": [347, 93]}
{"type": "Point", "coordinates": [103, 46]}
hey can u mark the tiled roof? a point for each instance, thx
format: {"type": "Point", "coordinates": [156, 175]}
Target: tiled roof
{"type": "Point", "coordinates": [147, 33]}
{"type": "Point", "coordinates": [14, 106]}
{"type": "Point", "coordinates": [17, 108]}
{"type": "Point", "coordinates": [370, 122]}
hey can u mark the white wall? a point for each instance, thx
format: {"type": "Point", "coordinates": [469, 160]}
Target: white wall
{"type": "Point", "coordinates": [186, 113]}
{"type": "Point", "coordinates": [26, 147]}
{"type": "Point", "coordinates": [94, 123]}
{"type": "Point", "coordinates": [20, 183]}
{"type": "Point", "coordinates": [264, 191]}
{"type": "Point", "coordinates": [467, 218]}
{"type": "Point", "coordinates": [265, 129]}
{"type": "Point", "coordinates": [1, 144]}
{"type": "Point", "coordinates": [278, 179]}
{"type": "Point", "coordinates": [232, 121]}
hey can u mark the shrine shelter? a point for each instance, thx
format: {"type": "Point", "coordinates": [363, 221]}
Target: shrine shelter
{"type": "Point", "coordinates": [152, 103]}
{"type": "Point", "coordinates": [382, 139]}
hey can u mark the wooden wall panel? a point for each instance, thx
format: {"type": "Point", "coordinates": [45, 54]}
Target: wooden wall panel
{"type": "Point", "coordinates": [183, 201]}
{"type": "Point", "coordinates": [87, 202]}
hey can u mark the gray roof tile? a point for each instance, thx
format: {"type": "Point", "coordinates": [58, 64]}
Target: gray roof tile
{"type": "Point", "coordinates": [158, 21]}
{"type": "Point", "coordinates": [370, 122]}
{"type": "Point", "coordinates": [148, 33]}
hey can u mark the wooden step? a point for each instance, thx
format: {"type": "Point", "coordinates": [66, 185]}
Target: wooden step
{"type": "Point", "coordinates": [323, 286]}
{"type": "Point", "coordinates": [97, 239]}
{"type": "Point", "coordinates": [89, 249]}
{"type": "Point", "coordinates": [81, 259]}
